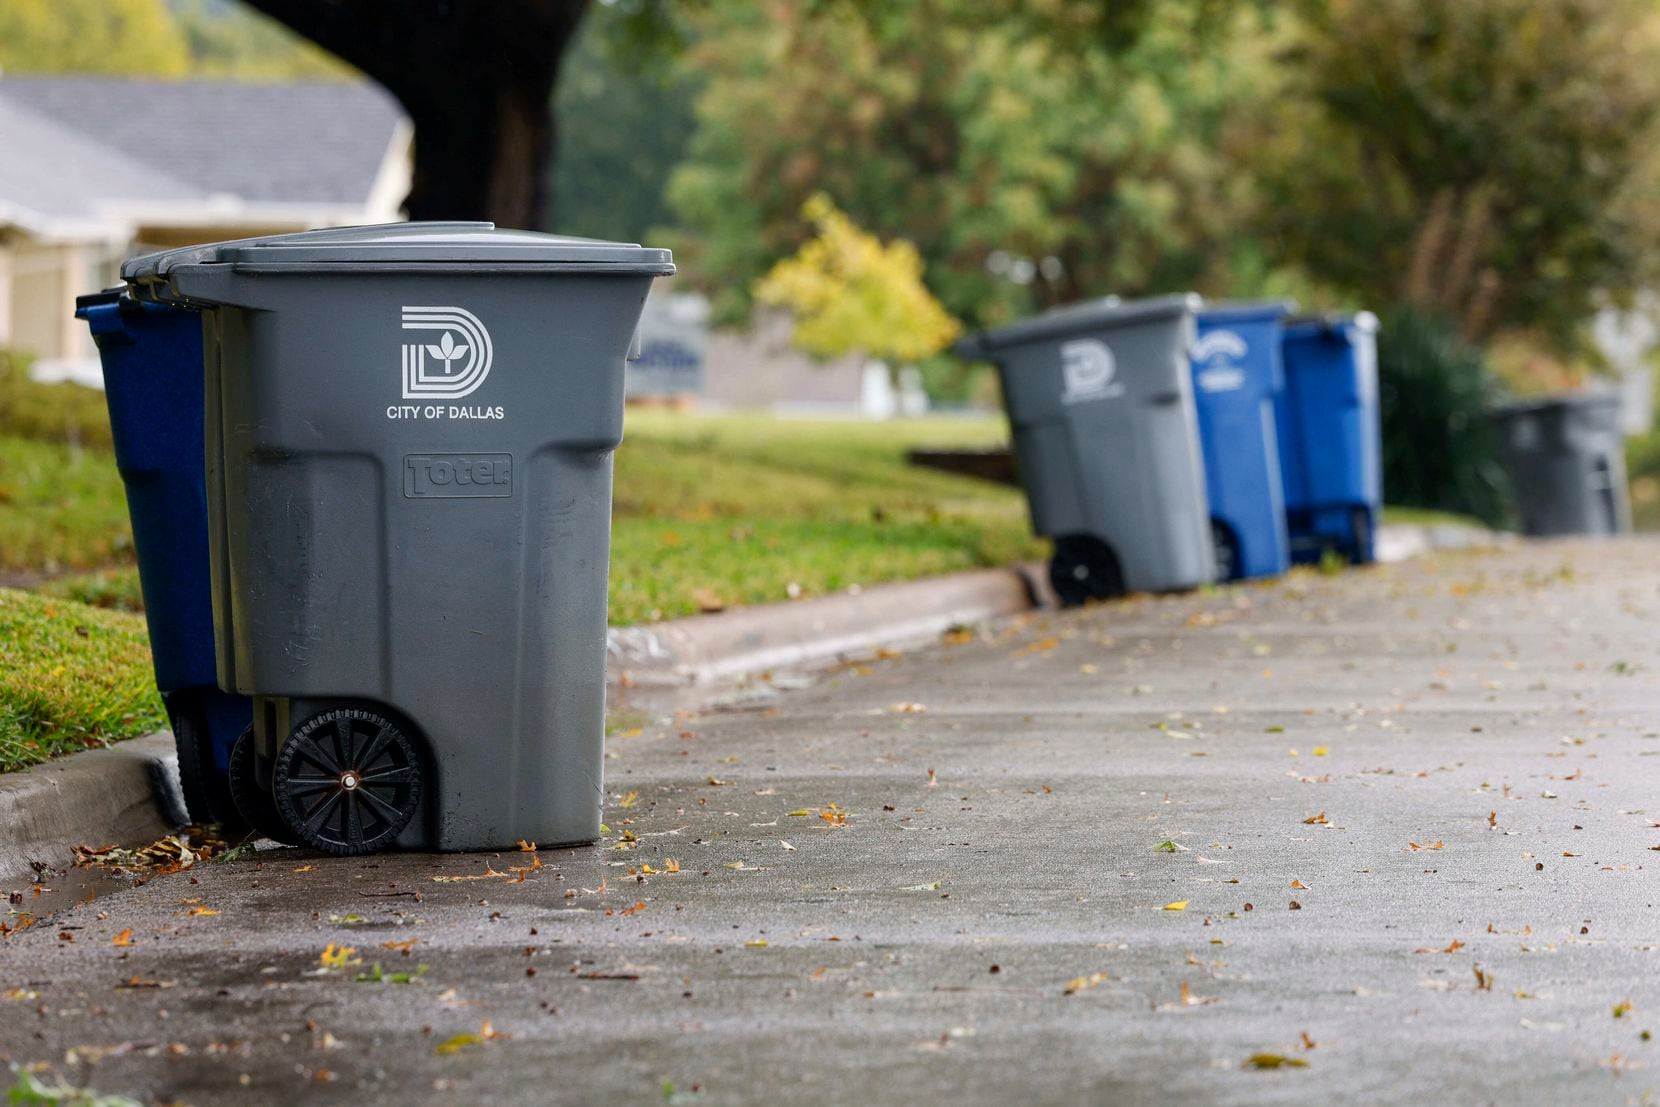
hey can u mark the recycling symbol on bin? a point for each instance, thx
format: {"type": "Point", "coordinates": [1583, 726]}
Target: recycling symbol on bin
{"type": "Point", "coordinates": [1217, 356]}
{"type": "Point", "coordinates": [455, 363]}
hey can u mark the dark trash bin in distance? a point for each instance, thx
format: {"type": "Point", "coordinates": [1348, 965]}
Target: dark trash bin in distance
{"type": "Point", "coordinates": [1331, 443]}
{"type": "Point", "coordinates": [1100, 404]}
{"type": "Point", "coordinates": [410, 514]}
{"type": "Point", "coordinates": [1565, 456]}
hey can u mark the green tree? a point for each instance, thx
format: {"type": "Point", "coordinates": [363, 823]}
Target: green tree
{"type": "Point", "coordinates": [1491, 160]}
{"type": "Point", "coordinates": [123, 37]}
{"type": "Point", "coordinates": [851, 294]}
{"type": "Point", "coordinates": [1034, 153]}
{"type": "Point", "coordinates": [624, 113]}
{"type": "Point", "coordinates": [232, 40]}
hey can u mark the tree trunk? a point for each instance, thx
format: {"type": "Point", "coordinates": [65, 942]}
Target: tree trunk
{"type": "Point", "coordinates": [475, 76]}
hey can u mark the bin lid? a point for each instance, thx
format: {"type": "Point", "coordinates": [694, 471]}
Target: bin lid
{"type": "Point", "coordinates": [1106, 313]}
{"type": "Point", "coordinates": [1556, 401]}
{"type": "Point", "coordinates": [147, 267]}
{"type": "Point", "coordinates": [394, 245]}
{"type": "Point", "coordinates": [1335, 323]}
{"type": "Point", "coordinates": [1245, 311]}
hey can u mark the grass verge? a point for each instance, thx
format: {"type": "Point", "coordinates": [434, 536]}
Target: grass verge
{"type": "Point", "coordinates": [710, 511]}
{"type": "Point", "coordinates": [61, 507]}
{"type": "Point", "coordinates": [71, 677]}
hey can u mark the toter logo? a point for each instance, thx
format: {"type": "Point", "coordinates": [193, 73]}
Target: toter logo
{"type": "Point", "coordinates": [455, 363]}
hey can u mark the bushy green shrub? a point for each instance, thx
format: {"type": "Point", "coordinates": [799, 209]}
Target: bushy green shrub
{"type": "Point", "coordinates": [65, 412]}
{"type": "Point", "coordinates": [1440, 450]}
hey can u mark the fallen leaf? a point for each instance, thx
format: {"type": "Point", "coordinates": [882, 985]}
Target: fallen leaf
{"type": "Point", "coordinates": [1084, 983]}
{"type": "Point", "coordinates": [1314, 820]}
{"type": "Point", "coordinates": [1274, 1061]}
{"type": "Point", "coordinates": [337, 957]}
{"type": "Point", "coordinates": [456, 1044]}
{"type": "Point", "coordinates": [1178, 905]}
{"type": "Point", "coordinates": [125, 938]}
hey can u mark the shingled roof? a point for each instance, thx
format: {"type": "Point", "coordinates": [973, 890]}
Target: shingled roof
{"type": "Point", "coordinates": [76, 147]}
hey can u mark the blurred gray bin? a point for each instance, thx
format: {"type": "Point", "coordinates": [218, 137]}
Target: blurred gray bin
{"type": "Point", "coordinates": [1565, 456]}
{"type": "Point", "coordinates": [409, 443]}
{"type": "Point", "coordinates": [1100, 401]}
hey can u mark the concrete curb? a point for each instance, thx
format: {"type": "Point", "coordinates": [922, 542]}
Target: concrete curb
{"type": "Point", "coordinates": [1403, 541]}
{"type": "Point", "coordinates": [97, 798]}
{"type": "Point", "coordinates": [707, 648]}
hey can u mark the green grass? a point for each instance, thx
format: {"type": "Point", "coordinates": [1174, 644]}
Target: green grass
{"type": "Point", "coordinates": [71, 677]}
{"type": "Point", "coordinates": [733, 509]}
{"type": "Point", "coordinates": [739, 508]}
{"type": "Point", "coordinates": [1423, 517]}
{"type": "Point", "coordinates": [61, 507]}
{"type": "Point", "coordinates": [116, 589]}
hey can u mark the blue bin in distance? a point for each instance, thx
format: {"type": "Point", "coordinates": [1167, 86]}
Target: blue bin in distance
{"type": "Point", "coordinates": [152, 360]}
{"type": "Point", "coordinates": [1237, 377]}
{"type": "Point", "coordinates": [1331, 447]}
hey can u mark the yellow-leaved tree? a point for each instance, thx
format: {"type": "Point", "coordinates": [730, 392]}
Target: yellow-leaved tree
{"type": "Point", "coordinates": [850, 294]}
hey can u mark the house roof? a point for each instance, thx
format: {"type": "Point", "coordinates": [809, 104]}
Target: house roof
{"type": "Point", "coordinates": [78, 148]}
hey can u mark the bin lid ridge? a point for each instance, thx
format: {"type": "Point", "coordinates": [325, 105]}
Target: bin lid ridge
{"type": "Point", "coordinates": [1090, 315]}
{"type": "Point", "coordinates": [1243, 311]}
{"type": "Point", "coordinates": [157, 264]}
{"type": "Point", "coordinates": [460, 247]}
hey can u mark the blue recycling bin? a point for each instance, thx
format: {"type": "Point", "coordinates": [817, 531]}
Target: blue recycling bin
{"type": "Point", "coordinates": [152, 359]}
{"type": "Point", "coordinates": [1331, 449]}
{"type": "Point", "coordinates": [1237, 376]}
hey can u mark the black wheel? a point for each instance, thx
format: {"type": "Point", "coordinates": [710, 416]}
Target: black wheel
{"type": "Point", "coordinates": [1227, 551]}
{"type": "Point", "coordinates": [193, 742]}
{"type": "Point", "coordinates": [1360, 535]}
{"type": "Point", "coordinates": [1084, 568]}
{"type": "Point", "coordinates": [347, 781]}
{"type": "Point", "coordinates": [207, 791]}
{"type": "Point", "coordinates": [253, 803]}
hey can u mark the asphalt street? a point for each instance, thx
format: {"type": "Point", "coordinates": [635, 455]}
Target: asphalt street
{"type": "Point", "coordinates": [1376, 837]}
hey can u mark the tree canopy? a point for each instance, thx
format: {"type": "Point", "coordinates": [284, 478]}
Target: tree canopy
{"type": "Point", "coordinates": [1492, 160]}
{"type": "Point", "coordinates": [1033, 153]}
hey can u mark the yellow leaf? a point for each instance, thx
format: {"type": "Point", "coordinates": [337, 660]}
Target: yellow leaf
{"type": "Point", "coordinates": [456, 1044]}
{"type": "Point", "coordinates": [629, 800]}
{"type": "Point", "coordinates": [337, 957]}
{"type": "Point", "coordinates": [125, 938]}
{"type": "Point", "coordinates": [201, 911]}
{"type": "Point", "coordinates": [1274, 1061]}
{"type": "Point", "coordinates": [1084, 983]}
{"type": "Point", "coordinates": [758, 943]}
{"type": "Point", "coordinates": [1179, 905]}
{"type": "Point", "coordinates": [1321, 751]}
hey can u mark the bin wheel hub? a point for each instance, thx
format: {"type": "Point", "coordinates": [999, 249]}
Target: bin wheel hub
{"type": "Point", "coordinates": [348, 781]}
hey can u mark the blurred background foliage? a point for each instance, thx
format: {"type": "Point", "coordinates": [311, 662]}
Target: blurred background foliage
{"type": "Point", "coordinates": [1483, 174]}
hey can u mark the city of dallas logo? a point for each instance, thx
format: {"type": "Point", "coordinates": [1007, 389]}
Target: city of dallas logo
{"type": "Point", "coordinates": [430, 369]}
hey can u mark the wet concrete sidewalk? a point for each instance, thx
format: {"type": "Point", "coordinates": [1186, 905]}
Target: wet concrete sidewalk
{"type": "Point", "coordinates": [1376, 837]}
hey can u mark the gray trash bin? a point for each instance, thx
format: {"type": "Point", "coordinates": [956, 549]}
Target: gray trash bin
{"type": "Point", "coordinates": [409, 449]}
{"type": "Point", "coordinates": [1100, 402]}
{"type": "Point", "coordinates": [1565, 455]}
